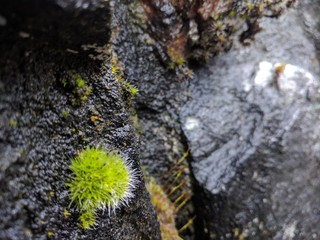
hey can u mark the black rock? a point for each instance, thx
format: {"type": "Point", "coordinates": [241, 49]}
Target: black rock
{"type": "Point", "coordinates": [45, 120]}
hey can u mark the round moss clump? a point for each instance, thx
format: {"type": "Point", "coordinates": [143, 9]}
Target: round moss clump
{"type": "Point", "coordinates": [101, 180]}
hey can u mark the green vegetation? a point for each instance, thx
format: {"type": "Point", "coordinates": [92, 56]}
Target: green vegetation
{"type": "Point", "coordinates": [100, 180]}
{"type": "Point", "coordinates": [127, 89]}
{"type": "Point", "coordinates": [13, 123]}
{"type": "Point", "coordinates": [207, 27]}
{"type": "Point", "coordinates": [66, 213]}
{"type": "Point", "coordinates": [175, 51]}
{"type": "Point", "coordinates": [64, 113]}
{"type": "Point", "coordinates": [75, 84]}
{"type": "Point", "coordinates": [169, 198]}
{"type": "Point", "coordinates": [165, 210]}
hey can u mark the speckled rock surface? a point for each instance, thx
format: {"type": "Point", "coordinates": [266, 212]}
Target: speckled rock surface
{"type": "Point", "coordinates": [252, 125]}
{"type": "Point", "coordinates": [249, 117]}
{"type": "Point", "coordinates": [44, 121]}
{"type": "Point", "coordinates": [157, 102]}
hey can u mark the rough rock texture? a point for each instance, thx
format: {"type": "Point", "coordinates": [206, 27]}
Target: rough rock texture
{"type": "Point", "coordinates": [309, 12]}
{"type": "Point", "coordinates": [157, 97]}
{"type": "Point", "coordinates": [157, 102]}
{"type": "Point", "coordinates": [45, 118]}
{"type": "Point", "coordinates": [252, 125]}
{"type": "Point", "coordinates": [253, 129]}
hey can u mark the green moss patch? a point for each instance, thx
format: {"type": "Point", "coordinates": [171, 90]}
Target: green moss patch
{"type": "Point", "coordinates": [101, 180]}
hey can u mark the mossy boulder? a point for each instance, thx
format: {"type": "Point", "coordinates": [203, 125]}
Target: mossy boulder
{"type": "Point", "coordinates": [58, 96]}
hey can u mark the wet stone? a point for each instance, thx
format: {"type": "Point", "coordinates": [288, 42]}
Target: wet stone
{"type": "Point", "coordinates": [252, 126]}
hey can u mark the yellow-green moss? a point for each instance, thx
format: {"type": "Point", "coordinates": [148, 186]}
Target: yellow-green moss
{"type": "Point", "coordinates": [64, 113]}
{"type": "Point", "coordinates": [66, 213]}
{"type": "Point", "coordinates": [165, 210]}
{"type": "Point", "coordinates": [13, 123]}
{"type": "Point", "coordinates": [117, 71]}
{"type": "Point", "coordinates": [101, 180]}
{"type": "Point", "coordinates": [75, 84]}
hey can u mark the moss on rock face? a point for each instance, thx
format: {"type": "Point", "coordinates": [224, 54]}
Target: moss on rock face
{"type": "Point", "coordinates": [43, 79]}
{"type": "Point", "coordinates": [196, 29]}
{"type": "Point", "coordinates": [102, 180]}
{"type": "Point", "coordinates": [127, 90]}
{"type": "Point", "coordinates": [165, 210]}
{"type": "Point", "coordinates": [76, 85]}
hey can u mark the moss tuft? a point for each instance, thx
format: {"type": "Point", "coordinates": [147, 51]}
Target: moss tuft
{"type": "Point", "coordinates": [101, 180]}
{"type": "Point", "coordinates": [13, 123]}
{"type": "Point", "coordinates": [127, 89]}
{"type": "Point", "coordinates": [165, 210]}
{"type": "Point", "coordinates": [75, 84]}
{"type": "Point", "coordinates": [87, 219]}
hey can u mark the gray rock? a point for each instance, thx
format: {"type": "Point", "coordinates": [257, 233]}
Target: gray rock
{"type": "Point", "coordinates": [252, 126]}
{"type": "Point", "coordinates": [309, 11]}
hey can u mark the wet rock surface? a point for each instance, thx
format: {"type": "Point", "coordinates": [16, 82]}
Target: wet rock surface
{"type": "Point", "coordinates": [309, 13]}
{"type": "Point", "coordinates": [45, 119]}
{"type": "Point", "coordinates": [241, 117]}
{"type": "Point", "coordinates": [252, 126]}
{"type": "Point", "coordinates": [249, 118]}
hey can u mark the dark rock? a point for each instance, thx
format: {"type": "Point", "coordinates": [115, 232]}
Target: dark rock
{"type": "Point", "coordinates": [252, 126]}
{"type": "Point", "coordinates": [159, 96]}
{"type": "Point", "coordinates": [250, 117]}
{"type": "Point", "coordinates": [44, 121]}
{"type": "Point", "coordinates": [157, 102]}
